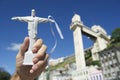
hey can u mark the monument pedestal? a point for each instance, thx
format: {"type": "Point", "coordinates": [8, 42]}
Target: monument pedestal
{"type": "Point", "coordinates": [28, 59]}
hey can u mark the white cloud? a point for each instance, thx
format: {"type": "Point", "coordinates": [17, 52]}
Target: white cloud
{"type": "Point", "coordinates": [14, 46]}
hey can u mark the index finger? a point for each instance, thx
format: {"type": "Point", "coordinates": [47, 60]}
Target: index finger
{"type": "Point", "coordinates": [37, 45]}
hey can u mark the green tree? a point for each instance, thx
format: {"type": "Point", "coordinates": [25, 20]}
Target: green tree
{"type": "Point", "coordinates": [4, 75]}
{"type": "Point", "coordinates": [115, 37]}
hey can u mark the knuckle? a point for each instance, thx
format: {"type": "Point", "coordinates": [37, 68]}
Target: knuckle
{"type": "Point", "coordinates": [42, 49]}
{"type": "Point", "coordinates": [38, 44]}
{"type": "Point", "coordinates": [40, 63]}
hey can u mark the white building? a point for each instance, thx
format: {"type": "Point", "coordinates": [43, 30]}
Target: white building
{"type": "Point", "coordinates": [110, 60]}
{"type": "Point", "coordinates": [89, 73]}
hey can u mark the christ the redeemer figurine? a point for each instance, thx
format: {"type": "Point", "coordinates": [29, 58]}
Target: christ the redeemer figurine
{"type": "Point", "coordinates": [32, 33]}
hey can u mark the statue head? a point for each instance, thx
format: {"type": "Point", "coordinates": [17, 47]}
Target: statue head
{"type": "Point", "coordinates": [33, 13]}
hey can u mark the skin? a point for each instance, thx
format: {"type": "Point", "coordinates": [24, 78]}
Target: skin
{"type": "Point", "coordinates": [30, 72]}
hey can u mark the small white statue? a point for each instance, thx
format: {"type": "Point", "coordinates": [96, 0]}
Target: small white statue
{"type": "Point", "coordinates": [32, 32]}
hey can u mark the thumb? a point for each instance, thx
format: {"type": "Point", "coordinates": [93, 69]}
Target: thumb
{"type": "Point", "coordinates": [24, 46]}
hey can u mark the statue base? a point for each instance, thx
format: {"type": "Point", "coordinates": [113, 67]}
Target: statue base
{"type": "Point", "coordinates": [28, 58]}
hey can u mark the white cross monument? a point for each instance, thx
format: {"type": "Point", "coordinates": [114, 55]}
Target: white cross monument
{"type": "Point", "coordinates": [32, 32]}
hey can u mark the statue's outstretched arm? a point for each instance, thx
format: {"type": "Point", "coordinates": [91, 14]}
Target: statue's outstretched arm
{"type": "Point", "coordinates": [45, 20]}
{"type": "Point", "coordinates": [24, 19]}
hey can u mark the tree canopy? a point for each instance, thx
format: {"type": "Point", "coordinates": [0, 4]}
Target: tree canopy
{"type": "Point", "coordinates": [115, 37]}
{"type": "Point", "coordinates": [4, 75]}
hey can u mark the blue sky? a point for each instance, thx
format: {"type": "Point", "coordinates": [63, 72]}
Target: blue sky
{"type": "Point", "coordinates": [105, 13]}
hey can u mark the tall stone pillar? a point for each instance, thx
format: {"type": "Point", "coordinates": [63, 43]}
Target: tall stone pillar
{"type": "Point", "coordinates": [76, 26]}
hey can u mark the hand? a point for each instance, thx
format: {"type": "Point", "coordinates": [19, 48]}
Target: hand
{"type": "Point", "coordinates": [27, 72]}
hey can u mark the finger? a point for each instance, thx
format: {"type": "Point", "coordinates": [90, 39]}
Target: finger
{"type": "Point", "coordinates": [37, 45]}
{"type": "Point", "coordinates": [40, 69]}
{"type": "Point", "coordinates": [40, 64]}
{"type": "Point", "coordinates": [41, 54]}
{"type": "Point", "coordinates": [24, 46]}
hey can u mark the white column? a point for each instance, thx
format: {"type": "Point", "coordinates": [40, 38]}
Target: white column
{"type": "Point", "coordinates": [76, 26]}
{"type": "Point", "coordinates": [79, 51]}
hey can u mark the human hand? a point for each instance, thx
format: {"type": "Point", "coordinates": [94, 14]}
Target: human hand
{"type": "Point", "coordinates": [27, 72]}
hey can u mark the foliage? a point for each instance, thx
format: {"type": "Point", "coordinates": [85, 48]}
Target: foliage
{"type": "Point", "coordinates": [88, 54]}
{"type": "Point", "coordinates": [94, 63]}
{"type": "Point", "coordinates": [88, 61]}
{"type": "Point", "coordinates": [62, 64]}
{"type": "Point", "coordinates": [113, 44]}
{"type": "Point", "coordinates": [4, 75]}
{"type": "Point", "coordinates": [115, 37]}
